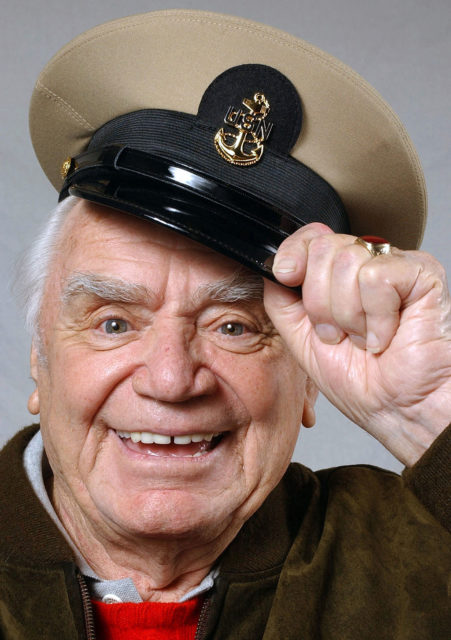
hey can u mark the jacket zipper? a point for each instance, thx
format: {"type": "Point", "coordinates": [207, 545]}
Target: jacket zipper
{"type": "Point", "coordinates": [88, 612]}
{"type": "Point", "coordinates": [202, 623]}
{"type": "Point", "coordinates": [87, 608]}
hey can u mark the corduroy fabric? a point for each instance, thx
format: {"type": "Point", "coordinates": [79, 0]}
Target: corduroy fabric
{"type": "Point", "coordinates": [343, 554]}
{"type": "Point", "coordinates": [430, 478]}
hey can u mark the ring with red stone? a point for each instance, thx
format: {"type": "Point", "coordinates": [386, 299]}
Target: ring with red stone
{"type": "Point", "coordinates": [375, 245]}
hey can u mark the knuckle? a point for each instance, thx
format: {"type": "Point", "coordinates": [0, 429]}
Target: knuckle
{"type": "Point", "coordinates": [346, 258]}
{"type": "Point", "coordinates": [427, 263]}
{"type": "Point", "coordinates": [320, 245]}
{"type": "Point", "coordinates": [306, 234]}
{"type": "Point", "coordinates": [439, 270]}
{"type": "Point", "coordinates": [293, 244]}
{"type": "Point", "coordinates": [319, 227]}
{"type": "Point", "coordinates": [371, 274]}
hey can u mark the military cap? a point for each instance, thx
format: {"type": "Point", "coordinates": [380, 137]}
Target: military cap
{"type": "Point", "coordinates": [230, 132]}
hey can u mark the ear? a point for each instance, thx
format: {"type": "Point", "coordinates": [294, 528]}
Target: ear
{"type": "Point", "coordinates": [33, 400]}
{"type": "Point", "coordinates": [308, 414]}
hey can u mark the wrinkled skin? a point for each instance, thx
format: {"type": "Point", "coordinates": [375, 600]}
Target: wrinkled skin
{"type": "Point", "coordinates": [374, 334]}
{"type": "Point", "coordinates": [174, 366]}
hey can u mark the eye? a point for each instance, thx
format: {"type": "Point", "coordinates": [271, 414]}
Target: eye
{"type": "Point", "coordinates": [114, 326]}
{"type": "Point", "coordinates": [232, 329]}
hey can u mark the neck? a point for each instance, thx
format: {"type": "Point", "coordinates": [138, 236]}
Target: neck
{"type": "Point", "coordinates": [163, 569]}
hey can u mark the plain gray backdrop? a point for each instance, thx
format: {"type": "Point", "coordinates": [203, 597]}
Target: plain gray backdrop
{"type": "Point", "coordinates": [402, 47]}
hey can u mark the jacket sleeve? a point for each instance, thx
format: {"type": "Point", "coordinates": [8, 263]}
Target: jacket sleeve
{"type": "Point", "coordinates": [430, 478]}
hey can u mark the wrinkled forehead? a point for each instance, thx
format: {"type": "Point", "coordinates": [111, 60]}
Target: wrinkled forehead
{"type": "Point", "coordinates": [110, 245]}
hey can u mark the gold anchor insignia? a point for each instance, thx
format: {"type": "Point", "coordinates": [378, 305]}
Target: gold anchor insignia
{"type": "Point", "coordinates": [245, 147]}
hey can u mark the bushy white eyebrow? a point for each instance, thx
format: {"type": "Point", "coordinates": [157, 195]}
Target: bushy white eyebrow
{"type": "Point", "coordinates": [112, 289]}
{"type": "Point", "coordinates": [239, 286]}
{"type": "Point", "coordinates": [242, 285]}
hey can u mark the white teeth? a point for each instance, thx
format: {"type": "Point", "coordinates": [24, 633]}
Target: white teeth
{"type": "Point", "coordinates": [182, 439]}
{"type": "Point", "coordinates": [157, 438]}
{"type": "Point", "coordinates": [160, 439]}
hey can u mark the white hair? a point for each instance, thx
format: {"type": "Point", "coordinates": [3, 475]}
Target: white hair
{"type": "Point", "coordinates": [34, 267]}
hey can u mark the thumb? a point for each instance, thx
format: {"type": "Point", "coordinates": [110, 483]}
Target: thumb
{"type": "Point", "coordinates": [286, 311]}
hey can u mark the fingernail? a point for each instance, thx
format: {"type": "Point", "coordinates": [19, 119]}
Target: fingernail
{"type": "Point", "coordinates": [284, 265]}
{"type": "Point", "coordinates": [372, 342]}
{"type": "Point", "coordinates": [327, 333]}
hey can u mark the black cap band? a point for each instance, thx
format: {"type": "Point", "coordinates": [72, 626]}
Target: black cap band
{"type": "Point", "coordinates": [170, 167]}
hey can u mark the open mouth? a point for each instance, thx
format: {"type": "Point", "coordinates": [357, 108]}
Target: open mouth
{"type": "Point", "coordinates": [182, 446]}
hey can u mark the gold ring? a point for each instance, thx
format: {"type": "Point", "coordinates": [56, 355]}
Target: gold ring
{"type": "Point", "coordinates": [376, 246]}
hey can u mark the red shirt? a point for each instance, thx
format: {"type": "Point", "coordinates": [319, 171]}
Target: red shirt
{"type": "Point", "coordinates": [147, 620]}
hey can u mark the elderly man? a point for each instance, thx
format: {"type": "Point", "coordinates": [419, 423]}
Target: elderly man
{"type": "Point", "coordinates": [198, 283]}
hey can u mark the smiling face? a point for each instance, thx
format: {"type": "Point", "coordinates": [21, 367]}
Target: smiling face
{"type": "Point", "coordinates": [167, 410]}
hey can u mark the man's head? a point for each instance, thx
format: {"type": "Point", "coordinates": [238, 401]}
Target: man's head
{"type": "Point", "coordinates": [146, 335]}
{"type": "Point", "coordinates": [138, 330]}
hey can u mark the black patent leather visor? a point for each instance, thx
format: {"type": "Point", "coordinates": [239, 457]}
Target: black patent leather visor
{"type": "Point", "coordinates": [173, 194]}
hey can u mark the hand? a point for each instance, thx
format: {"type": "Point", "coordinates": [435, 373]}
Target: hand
{"type": "Point", "coordinates": [373, 333]}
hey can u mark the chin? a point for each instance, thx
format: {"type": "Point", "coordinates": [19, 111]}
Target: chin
{"type": "Point", "coordinates": [167, 514]}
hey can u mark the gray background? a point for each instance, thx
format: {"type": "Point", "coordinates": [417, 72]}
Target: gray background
{"type": "Point", "coordinates": [402, 47]}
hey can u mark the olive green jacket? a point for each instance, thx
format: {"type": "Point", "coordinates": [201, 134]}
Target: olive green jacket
{"type": "Point", "coordinates": [346, 553]}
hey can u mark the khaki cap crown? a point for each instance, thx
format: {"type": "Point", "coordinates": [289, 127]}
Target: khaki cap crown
{"type": "Point", "coordinates": [166, 60]}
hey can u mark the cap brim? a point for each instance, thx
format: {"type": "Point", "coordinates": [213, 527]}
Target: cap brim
{"type": "Point", "coordinates": [166, 60]}
{"type": "Point", "coordinates": [218, 225]}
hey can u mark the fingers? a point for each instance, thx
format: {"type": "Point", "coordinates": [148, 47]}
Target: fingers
{"type": "Point", "coordinates": [346, 292]}
{"type": "Point", "coordinates": [291, 259]}
{"type": "Point", "coordinates": [380, 283]}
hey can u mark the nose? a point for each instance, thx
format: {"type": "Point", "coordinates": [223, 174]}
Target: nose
{"type": "Point", "coordinates": [172, 367]}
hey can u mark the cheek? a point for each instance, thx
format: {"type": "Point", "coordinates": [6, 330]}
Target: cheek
{"type": "Point", "coordinates": [72, 391]}
{"type": "Point", "coordinates": [275, 402]}
{"type": "Point", "coordinates": [274, 391]}
{"type": "Point", "coordinates": [82, 380]}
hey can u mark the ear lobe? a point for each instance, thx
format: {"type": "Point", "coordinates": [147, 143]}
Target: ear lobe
{"type": "Point", "coordinates": [308, 413]}
{"type": "Point", "coordinates": [33, 400]}
{"type": "Point", "coordinates": [33, 403]}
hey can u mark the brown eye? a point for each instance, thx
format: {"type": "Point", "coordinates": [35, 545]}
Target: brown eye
{"type": "Point", "coordinates": [115, 326]}
{"type": "Point", "coordinates": [232, 329]}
